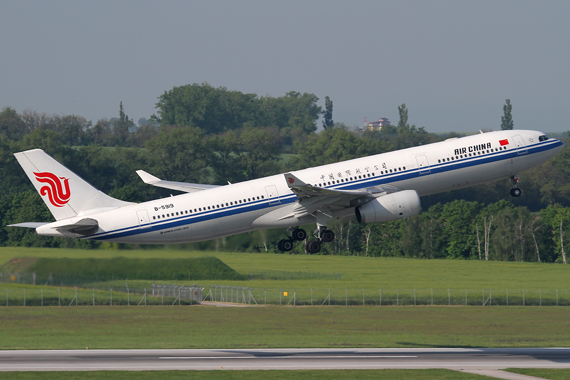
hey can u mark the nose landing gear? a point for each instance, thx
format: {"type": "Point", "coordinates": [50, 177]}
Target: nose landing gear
{"type": "Point", "coordinates": [515, 191]}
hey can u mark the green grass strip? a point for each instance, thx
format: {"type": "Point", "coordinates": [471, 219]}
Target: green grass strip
{"type": "Point", "coordinates": [357, 272]}
{"type": "Point", "coordinates": [140, 327]}
{"type": "Point", "coordinates": [76, 271]}
{"type": "Point", "coordinates": [550, 373]}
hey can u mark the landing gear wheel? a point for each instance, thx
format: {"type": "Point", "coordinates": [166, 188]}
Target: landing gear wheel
{"type": "Point", "coordinates": [516, 192]}
{"type": "Point", "coordinates": [327, 236]}
{"type": "Point", "coordinates": [313, 246]}
{"type": "Point", "coordinates": [285, 245]}
{"type": "Point", "coordinates": [298, 234]}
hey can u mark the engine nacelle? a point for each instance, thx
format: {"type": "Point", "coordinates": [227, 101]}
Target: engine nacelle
{"type": "Point", "coordinates": [399, 205]}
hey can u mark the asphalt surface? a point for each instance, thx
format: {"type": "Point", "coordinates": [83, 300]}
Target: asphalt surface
{"type": "Point", "coordinates": [262, 359]}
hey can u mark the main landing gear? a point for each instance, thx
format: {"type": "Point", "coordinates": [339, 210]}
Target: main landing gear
{"type": "Point", "coordinates": [296, 234]}
{"type": "Point", "coordinates": [323, 236]}
{"type": "Point", "coordinates": [515, 191]}
{"type": "Point", "coordinates": [312, 246]}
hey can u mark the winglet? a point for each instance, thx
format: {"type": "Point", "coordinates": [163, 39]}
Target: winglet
{"type": "Point", "coordinates": [293, 181]}
{"type": "Point", "coordinates": [147, 178]}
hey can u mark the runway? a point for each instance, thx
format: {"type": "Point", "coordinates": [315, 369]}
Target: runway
{"type": "Point", "coordinates": [265, 359]}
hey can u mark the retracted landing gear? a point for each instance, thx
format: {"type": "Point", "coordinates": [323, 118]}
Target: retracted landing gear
{"type": "Point", "coordinates": [515, 191]}
{"type": "Point", "coordinates": [294, 234]}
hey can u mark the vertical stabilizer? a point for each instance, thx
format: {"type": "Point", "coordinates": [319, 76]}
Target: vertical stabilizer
{"type": "Point", "coordinates": [64, 192]}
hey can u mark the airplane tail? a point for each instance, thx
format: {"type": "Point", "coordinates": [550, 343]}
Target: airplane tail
{"type": "Point", "coordinates": [64, 192]}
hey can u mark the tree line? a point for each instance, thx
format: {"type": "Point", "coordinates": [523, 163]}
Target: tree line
{"type": "Point", "coordinates": [212, 135]}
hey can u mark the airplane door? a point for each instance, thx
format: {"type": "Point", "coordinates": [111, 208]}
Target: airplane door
{"type": "Point", "coordinates": [423, 164]}
{"type": "Point", "coordinates": [272, 195]}
{"type": "Point", "coordinates": [519, 142]}
{"type": "Point", "coordinates": [144, 221]}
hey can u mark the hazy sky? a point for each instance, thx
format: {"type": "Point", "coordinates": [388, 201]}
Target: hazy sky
{"type": "Point", "coordinates": [452, 62]}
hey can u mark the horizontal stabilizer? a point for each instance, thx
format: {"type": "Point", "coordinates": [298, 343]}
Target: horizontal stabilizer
{"type": "Point", "coordinates": [28, 224]}
{"type": "Point", "coordinates": [180, 186]}
{"type": "Point", "coordinates": [85, 226]}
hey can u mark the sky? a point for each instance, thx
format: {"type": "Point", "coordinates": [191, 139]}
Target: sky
{"type": "Point", "coordinates": [453, 63]}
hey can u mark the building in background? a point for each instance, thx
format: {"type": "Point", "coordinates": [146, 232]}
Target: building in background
{"type": "Point", "coordinates": [377, 125]}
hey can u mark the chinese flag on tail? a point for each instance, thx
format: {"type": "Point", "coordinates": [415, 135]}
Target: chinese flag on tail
{"type": "Point", "coordinates": [504, 142]}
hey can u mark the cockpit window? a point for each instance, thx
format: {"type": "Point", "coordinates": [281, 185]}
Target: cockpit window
{"type": "Point", "coordinates": [543, 138]}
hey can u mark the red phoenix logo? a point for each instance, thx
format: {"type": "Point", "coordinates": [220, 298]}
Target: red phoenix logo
{"type": "Point", "coordinates": [290, 179]}
{"type": "Point", "coordinates": [54, 189]}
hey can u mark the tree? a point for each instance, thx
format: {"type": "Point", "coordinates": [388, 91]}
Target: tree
{"type": "Point", "coordinates": [457, 220]}
{"type": "Point", "coordinates": [179, 154]}
{"type": "Point", "coordinates": [558, 220]}
{"type": "Point", "coordinates": [121, 127]}
{"type": "Point", "coordinates": [259, 153]}
{"type": "Point", "coordinates": [332, 145]}
{"type": "Point", "coordinates": [403, 111]}
{"type": "Point", "coordinates": [328, 114]}
{"type": "Point", "coordinates": [216, 110]}
{"type": "Point", "coordinates": [11, 124]}
{"type": "Point", "coordinates": [507, 119]}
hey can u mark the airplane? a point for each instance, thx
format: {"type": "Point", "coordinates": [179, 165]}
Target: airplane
{"type": "Point", "coordinates": [378, 188]}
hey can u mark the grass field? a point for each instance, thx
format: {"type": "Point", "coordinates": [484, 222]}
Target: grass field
{"type": "Point", "coordinates": [383, 374]}
{"type": "Point", "coordinates": [76, 271]}
{"type": "Point", "coordinates": [553, 374]}
{"type": "Point", "coordinates": [281, 327]}
{"type": "Point", "coordinates": [340, 272]}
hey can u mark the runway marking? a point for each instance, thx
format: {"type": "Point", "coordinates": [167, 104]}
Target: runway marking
{"type": "Point", "coordinates": [289, 357]}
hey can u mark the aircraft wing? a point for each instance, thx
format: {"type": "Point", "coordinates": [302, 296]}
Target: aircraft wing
{"type": "Point", "coordinates": [312, 199]}
{"type": "Point", "coordinates": [180, 186]}
{"type": "Point", "coordinates": [28, 224]}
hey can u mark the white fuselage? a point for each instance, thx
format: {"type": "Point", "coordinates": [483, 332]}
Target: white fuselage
{"type": "Point", "coordinates": [262, 203]}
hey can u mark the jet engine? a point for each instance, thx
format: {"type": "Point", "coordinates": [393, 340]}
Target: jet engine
{"type": "Point", "coordinates": [386, 208]}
